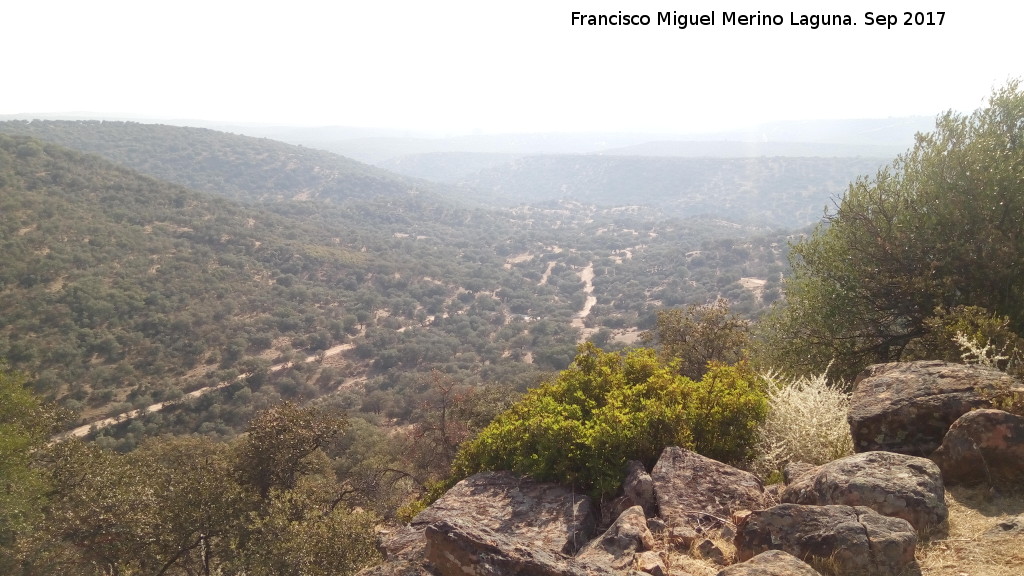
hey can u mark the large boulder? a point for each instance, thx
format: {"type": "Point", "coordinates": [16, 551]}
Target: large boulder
{"type": "Point", "coordinates": [983, 446]}
{"type": "Point", "coordinates": [540, 516]}
{"type": "Point", "coordinates": [892, 484]}
{"type": "Point", "coordinates": [457, 547]}
{"type": "Point", "coordinates": [549, 516]}
{"type": "Point", "coordinates": [694, 491]}
{"type": "Point", "coordinates": [853, 539]}
{"type": "Point", "coordinates": [771, 563]}
{"type": "Point", "coordinates": [907, 407]}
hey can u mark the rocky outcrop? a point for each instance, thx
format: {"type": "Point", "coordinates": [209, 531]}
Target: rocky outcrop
{"type": "Point", "coordinates": [856, 540]}
{"type": "Point", "coordinates": [620, 543]}
{"type": "Point", "coordinates": [892, 484]}
{"type": "Point", "coordinates": [907, 407]}
{"type": "Point", "coordinates": [550, 516]}
{"type": "Point", "coordinates": [862, 514]}
{"type": "Point", "coordinates": [545, 518]}
{"type": "Point", "coordinates": [637, 490]}
{"type": "Point", "coordinates": [456, 547]}
{"type": "Point", "coordinates": [771, 563]}
{"type": "Point", "coordinates": [639, 487]}
{"type": "Point", "coordinates": [696, 492]}
{"type": "Point", "coordinates": [983, 446]}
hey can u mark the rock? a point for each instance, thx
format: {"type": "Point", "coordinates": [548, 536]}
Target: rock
{"type": "Point", "coordinates": [1013, 526]}
{"type": "Point", "coordinates": [639, 487]}
{"type": "Point", "coordinates": [624, 538]}
{"type": "Point", "coordinates": [637, 490]}
{"type": "Point", "coordinates": [856, 540]}
{"type": "Point", "coordinates": [548, 516]}
{"type": "Point", "coordinates": [983, 446]}
{"type": "Point", "coordinates": [771, 563]}
{"type": "Point", "coordinates": [793, 471]}
{"type": "Point", "coordinates": [657, 526]}
{"type": "Point", "coordinates": [907, 407]}
{"type": "Point", "coordinates": [710, 551]}
{"type": "Point", "coordinates": [457, 547]}
{"type": "Point", "coordinates": [650, 562]}
{"type": "Point", "coordinates": [698, 492]}
{"type": "Point", "coordinates": [892, 484]}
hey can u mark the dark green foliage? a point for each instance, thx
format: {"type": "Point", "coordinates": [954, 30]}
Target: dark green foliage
{"type": "Point", "coordinates": [179, 506]}
{"type": "Point", "coordinates": [277, 447]}
{"type": "Point", "coordinates": [698, 335]}
{"type": "Point", "coordinates": [582, 427]}
{"type": "Point", "coordinates": [940, 228]}
{"type": "Point", "coordinates": [25, 424]}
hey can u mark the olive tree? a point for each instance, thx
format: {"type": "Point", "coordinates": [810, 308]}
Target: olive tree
{"type": "Point", "coordinates": [940, 227]}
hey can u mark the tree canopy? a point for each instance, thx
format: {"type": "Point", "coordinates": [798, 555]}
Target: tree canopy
{"type": "Point", "coordinates": [940, 227]}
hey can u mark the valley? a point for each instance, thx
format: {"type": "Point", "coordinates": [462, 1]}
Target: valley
{"type": "Point", "coordinates": [188, 259]}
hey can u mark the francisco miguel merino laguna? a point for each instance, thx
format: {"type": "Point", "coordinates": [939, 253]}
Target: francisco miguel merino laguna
{"type": "Point", "coordinates": [682, 21]}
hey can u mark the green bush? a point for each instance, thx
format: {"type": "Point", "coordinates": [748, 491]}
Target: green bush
{"type": "Point", "coordinates": [607, 408]}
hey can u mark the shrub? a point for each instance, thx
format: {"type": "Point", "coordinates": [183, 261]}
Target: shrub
{"type": "Point", "coordinates": [806, 422]}
{"type": "Point", "coordinates": [607, 408]}
{"type": "Point", "coordinates": [969, 334]}
{"type": "Point", "coordinates": [1009, 398]}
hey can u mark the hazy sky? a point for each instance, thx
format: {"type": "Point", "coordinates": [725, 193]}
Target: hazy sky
{"type": "Point", "coordinates": [488, 66]}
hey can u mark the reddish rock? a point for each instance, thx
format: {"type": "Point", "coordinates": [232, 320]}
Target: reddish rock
{"type": "Point", "coordinates": [983, 446]}
{"type": "Point", "coordinates": [457, 547]}
{"type": "Point", "coordinates": [793, 471]}
{"type": "Point", "coordinates": [771, 563]}
{"type": "Point", "coordinates": [907, 407]}
{"type": "Point", "coordinates": [623, 539]}
{"type": "Point", "coordinates": [650, 562]}
{"type": "Point", "coordinates": [857, 540]}
{"type": "Point", "coordinates": [552, 517]}
{"type": "Point", "coordinates": [547, 518]}
{"type": "Point", "coordinates": [639, 487]}
{"type": "Point", "coordinates": [892, 484]}
{"type": "Point", "coordinates": [696, 492]}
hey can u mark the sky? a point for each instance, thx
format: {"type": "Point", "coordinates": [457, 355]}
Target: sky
{"type": "Point", "coordinates": [454, 66]}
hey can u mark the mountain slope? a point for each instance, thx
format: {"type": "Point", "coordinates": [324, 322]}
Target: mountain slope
{"type": "Point", "coordinates": [237, 167]}
{"type": "Point", "coordinates": [779, 192]}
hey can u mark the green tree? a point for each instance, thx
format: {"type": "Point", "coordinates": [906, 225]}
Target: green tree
{"type": "Point", "coordinates": [283, 443]}
{"type": "Point", "coordinates": [698, 335]}
{"type": "Point", "coordinates": [25, 424]}
{"type": "Point", "coordinates": [939, 228]}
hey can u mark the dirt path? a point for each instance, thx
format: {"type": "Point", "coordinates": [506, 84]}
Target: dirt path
{"type": "Point", "coordinates": [86, 429]}
{"type": "Point", "coordinates": [546, 275]}
{"type": "Point", "coordinates": [587, 276]}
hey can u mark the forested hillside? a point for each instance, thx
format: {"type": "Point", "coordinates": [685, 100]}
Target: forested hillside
{"type": "Point", "coordinates": [121, 291]}
{"type": "Point", "coordinates": [780, 192]}
{"type": "Point", "coordinates": [319, 348]}
{"type": "Point", "coordinates": [229, 165]}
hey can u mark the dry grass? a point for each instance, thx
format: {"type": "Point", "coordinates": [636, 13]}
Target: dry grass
{"type": "Point", "coordinates": [967, 550]}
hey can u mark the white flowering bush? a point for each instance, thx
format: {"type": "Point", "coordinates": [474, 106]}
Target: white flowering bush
{"type": "Point", "coordinates": [974, 353]}
{"type": "Point", "coordinates": [806, 422]}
